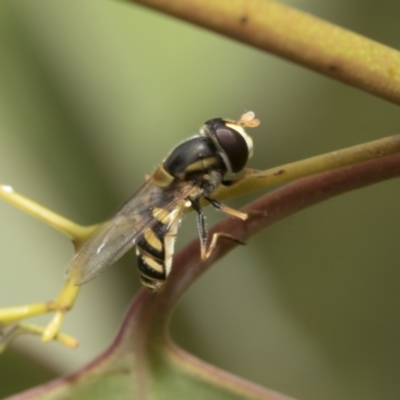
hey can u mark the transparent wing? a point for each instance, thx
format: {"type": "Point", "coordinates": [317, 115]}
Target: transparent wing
{"type": "Point", "coordinates": [116, 236]}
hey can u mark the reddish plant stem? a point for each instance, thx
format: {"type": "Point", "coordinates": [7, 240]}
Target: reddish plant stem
{"type": "Point", "coordinates": [144, 331]}
{"type": "Point", "coordinates": [263, 212]}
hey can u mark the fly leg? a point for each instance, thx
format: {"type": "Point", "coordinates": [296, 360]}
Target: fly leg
{"type": "Point", "coordinates": [227, 210]}
{"type": "Point", "coordinates": [206, 251]}
{"type": "Point", "coordinates": [201, 226]}
{"type": "Point", "coordinates": [219, 235]}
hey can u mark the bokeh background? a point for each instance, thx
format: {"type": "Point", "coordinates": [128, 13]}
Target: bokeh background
{"type": "Point", "coordinates": [93, 94]}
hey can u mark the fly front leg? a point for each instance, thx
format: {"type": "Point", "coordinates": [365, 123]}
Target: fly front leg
{"type": "Point", "coordinates": [227, 210]}
{"type": "Point", "coordinates": [201, 226]}
{"type": "Point", "coordinates": [206, 251]}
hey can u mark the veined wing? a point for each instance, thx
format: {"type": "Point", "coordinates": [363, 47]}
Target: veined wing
{"type": "Point", "coordinates": [147, 207]}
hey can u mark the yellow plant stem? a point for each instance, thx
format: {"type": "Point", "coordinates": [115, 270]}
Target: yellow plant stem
{"type": "Point", "coordinates": [10, 315]}
{"type": "Point", "coordinates": [19, 329]}
{"type": "Point", "coordinates": [254, 180]}
{"type": "Point", "coordinates": [68, 294]}
{"type": "Point", "coordinates": [60, 305]}
{"type": "Point", "coordinates": [64, 339]}
{"type": "Point", "coordinates": [75, 231]}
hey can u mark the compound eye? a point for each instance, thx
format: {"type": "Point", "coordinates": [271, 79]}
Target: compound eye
{"type": "Point", "coordinates": [234, 146]}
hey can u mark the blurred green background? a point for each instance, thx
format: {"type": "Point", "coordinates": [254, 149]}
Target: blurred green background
{"type": "Point", "coordinates": [93, 95]}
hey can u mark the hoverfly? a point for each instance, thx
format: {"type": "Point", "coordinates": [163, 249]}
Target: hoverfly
{"type": "Point", "coordinates": [150, 218]}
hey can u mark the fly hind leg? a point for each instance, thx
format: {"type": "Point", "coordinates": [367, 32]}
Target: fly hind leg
{"type": "Point", "coordinates": [207, 250]}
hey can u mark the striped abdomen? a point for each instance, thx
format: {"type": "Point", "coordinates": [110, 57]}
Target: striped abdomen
{"type": "Point", "coordinates": [155, 250]}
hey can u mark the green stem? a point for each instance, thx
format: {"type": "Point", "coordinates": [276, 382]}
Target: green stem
{"type": "Point", "coordinates": [296, 36]}
{"type": "Point", "coordinates": [310, 166]}
{"type": "Point", "coordinates": [75, 231]}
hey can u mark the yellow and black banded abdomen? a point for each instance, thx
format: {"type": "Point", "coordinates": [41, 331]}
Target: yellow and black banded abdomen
{"type": "Point", "coordinates": [151, 257]}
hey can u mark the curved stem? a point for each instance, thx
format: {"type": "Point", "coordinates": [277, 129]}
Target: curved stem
{"type": "Point", "coordinates": [263, 212]}
{"type": "Point", "coordinates": [296, 36]}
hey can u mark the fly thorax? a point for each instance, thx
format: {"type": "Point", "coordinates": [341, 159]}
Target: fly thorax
{"type": "Point", "coordinates": [162, 178]}
{"type": "Point", "coordinates": [194, 157]}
